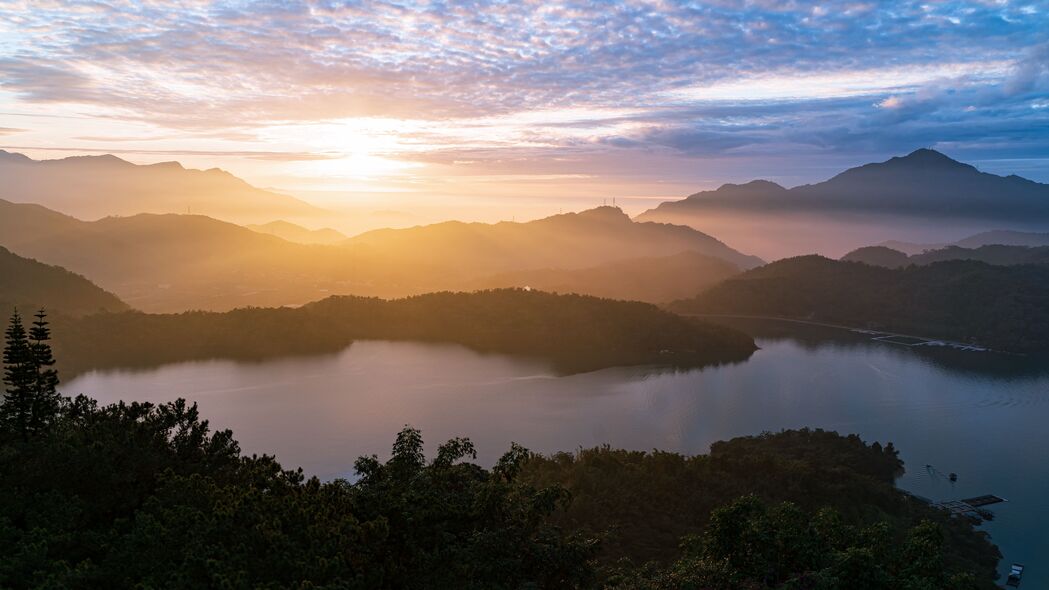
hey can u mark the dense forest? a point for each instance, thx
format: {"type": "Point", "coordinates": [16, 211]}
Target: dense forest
{"type": "Point", "coordinates": [574, 333]}
{"type": "Point", "coordinates": [991, 254]}
{"type": "Point", "coordinates": [142, 495]}
{"type": "Point", "coordinates": [1002, 307]}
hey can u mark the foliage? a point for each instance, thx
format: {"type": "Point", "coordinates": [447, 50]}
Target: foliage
{"type": "Point", "coordinates": [751, 545]}
{"type": "Point", "coordinates": [642, 504]}
{"type": "Point", "coordinates": [30, 399]}
{"type": "Point", "coordinates": [137, 494]}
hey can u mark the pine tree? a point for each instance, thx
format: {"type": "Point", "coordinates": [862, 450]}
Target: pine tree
{"type": "Point", "coordinates": [45, 391]}
{"type": "Point", "coordinates": [20, 378]}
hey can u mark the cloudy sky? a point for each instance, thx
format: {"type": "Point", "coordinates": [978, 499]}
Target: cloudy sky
{"type": "Point", "coordinates": [496, 101]}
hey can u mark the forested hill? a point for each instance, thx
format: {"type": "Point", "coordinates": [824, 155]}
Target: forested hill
{"type": "Point", "coordinates": [30, 285]}
{"type": "Point", "coordinates": [1002, 307]}
{"type": "Point", "coordinates": [574, 333]}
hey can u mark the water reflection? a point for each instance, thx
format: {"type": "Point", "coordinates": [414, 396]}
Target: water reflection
{"type": "Point", "coordinates": [814, 337]}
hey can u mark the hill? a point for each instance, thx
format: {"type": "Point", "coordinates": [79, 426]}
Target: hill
{"type": "Point", "coordinates": [90, 187]}
{"type": "Point", "coordinates": [30, 285]}
{"type": "Point", "coordinates": [574, 333]}
{"type": "Point", "coordinates": [568, 241]}
{"type": "Point", "coordinates": [178, 262]}
{"type": "Point", "coordinates": [655, 280]}
{"type": "Point", "coordinates": [932, 192]}
{"type": "Point", "coordinates": [1003, 307]}
{"type": "Point", "coordinates": [296, 233]}
{"type": "Point", "coordinates": [1001, 255]}
{"type": "Point", "coordinates": [878, 256]}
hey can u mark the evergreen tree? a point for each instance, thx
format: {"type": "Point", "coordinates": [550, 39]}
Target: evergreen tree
{"type": "Point", "coordinates": [20, 379]}
{"type": "Point", "coordinates": [45, 401]}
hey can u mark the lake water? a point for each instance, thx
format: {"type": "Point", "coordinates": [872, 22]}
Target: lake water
{"type": "Point", "coordinates": [982, 416]}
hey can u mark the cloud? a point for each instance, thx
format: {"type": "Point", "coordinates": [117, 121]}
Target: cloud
{"type": "Point", "coordinates": [255, 155]}
{"type": "Point", "coordinates": [695, 79]}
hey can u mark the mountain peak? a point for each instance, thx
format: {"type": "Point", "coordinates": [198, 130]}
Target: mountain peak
{"type": "Point", "coordinates": [928, 157]}
{"type": "Point", "coordinates": [15, 157]}
{"type": "Point", "coordinates": [607, 212]}
{"type": "Point", "coordinates": [103, 159]}
{"type": "Point", "coordinates": [753, 185]}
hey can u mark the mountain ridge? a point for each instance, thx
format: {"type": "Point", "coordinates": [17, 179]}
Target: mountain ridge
{"type": "Point", "coordinates": [172, 262]}
{"type": "Point", "coordinates": [913, 183]}
{"type": "Point", "coordinates": [924, 195]}
{"type": "Point", "coordinates": [92, 187]}
{"type": "Point", "coordinates": [29, 285]}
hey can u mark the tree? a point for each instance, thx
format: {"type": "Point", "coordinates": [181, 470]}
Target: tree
{"type": "Point", "coordinates": [45, 401]}
{"type": "Point", "coordinates": [31, 398]}
{"type": "Point", "coordinates": [20, 377]}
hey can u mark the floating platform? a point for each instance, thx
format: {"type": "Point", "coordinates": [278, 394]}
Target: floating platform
{"type": "Point", "coordinates": [971, 508]}
{"type": "Point", "coordinates": [983, 500]}
{"type": "Point", "coordinates": [1016, 573]}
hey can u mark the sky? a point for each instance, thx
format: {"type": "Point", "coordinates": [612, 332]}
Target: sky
{"type": "Point", "coordinates": [517, 106]}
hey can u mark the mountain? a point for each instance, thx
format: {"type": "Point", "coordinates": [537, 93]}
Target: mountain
{"type": "Point", "coordinates": [1005, 238]}
{"type": "Point", "coordinates": [654, 279]}
{"type": "Point", "coordinates": [908, 248]}
{"type": "Point", "coordinates": [878, 256]}
{"type": "Point", "coordinates": [996, 254]}
{"type": "Point", "coordinates": [174, 262]}
{"type": "Point", "coordinates": [924, 182]}
{"type": "Point", "coordinates": [1003, 307]}
{"type": "Point", "coordinates": [568, 241]}
{"type": "Point", "coordinates": [90, 187]}
{"type": "Point", "coordinates": [30, 285]}
{"type": "Point", "coordinates": [925, 187]}
{"type": "Point", "coordinates": [178, 262]}
{"type": "Point", "coordinates": [298, 234]}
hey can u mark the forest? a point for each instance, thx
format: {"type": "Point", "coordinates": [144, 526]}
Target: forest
{"type": "Point", "coordinates": [1001, 307]}
{"type": "Point", "coordinates": [143, 495]}
{"type": "Point", "coordinates": [573, 333]}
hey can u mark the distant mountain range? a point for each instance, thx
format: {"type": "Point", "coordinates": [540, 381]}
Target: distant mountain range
{"type": "Point", "coordinates": [90, 187]}
{"type": "Point", "coordinates": [567, 241]}
{"type": "Point", "coordinates": [296, 233]}
{"type": "Point", "coordinates": [180, 262]}
{"type": "Point", "coordinates": [988, 238]}
{"type": "Point", "coordinates": [29, 285]}
{"type": "Point", "coordinates": [924, 186]}
{"type": "Point", "coordinates": [993, 254]}
{"type": "Point", "coordinates": [922, 183]}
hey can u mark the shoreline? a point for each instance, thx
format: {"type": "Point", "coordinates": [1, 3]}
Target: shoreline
{"type": "Point", "coordinates": [879, 335]}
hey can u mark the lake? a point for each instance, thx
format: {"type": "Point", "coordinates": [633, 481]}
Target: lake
{"type": "Point", "coordinates": [980, 415]}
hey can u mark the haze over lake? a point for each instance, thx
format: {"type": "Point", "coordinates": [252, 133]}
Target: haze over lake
{"type": "Point", "coordinates": [975, 414]}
